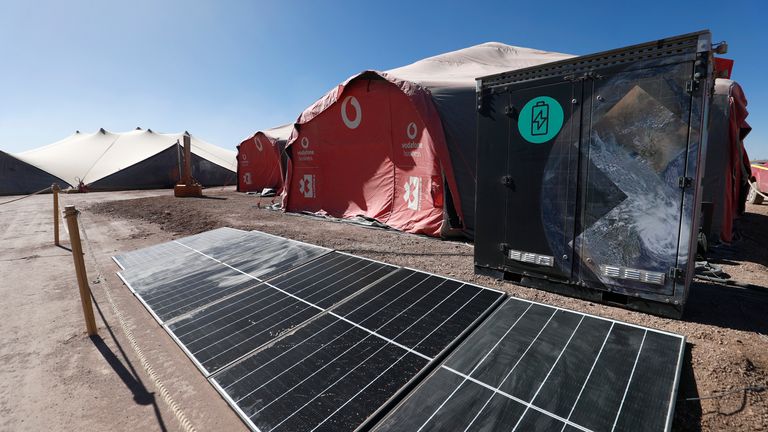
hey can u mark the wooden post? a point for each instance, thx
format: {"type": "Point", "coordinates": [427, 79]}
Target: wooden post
{"type": "Point", "coordinates": [187, 187]}
{"type": "Point", "coordinates": [55, 189]}
{"type": "Point", "coordinates": [70, 214]}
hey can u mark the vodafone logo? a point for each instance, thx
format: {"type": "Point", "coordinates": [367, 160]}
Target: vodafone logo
{"type": "Point", "coordinates": [257, 141]}
{"type": "Point", "coordinates": [412, 130]}
{"type": "Point", "coordinates": [243, 156]}
{"type": "Point", "coordinates": [304, 142]}
{"type": "Point", "coordinates": [352, 124]}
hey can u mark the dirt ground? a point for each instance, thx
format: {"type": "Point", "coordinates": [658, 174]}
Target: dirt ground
{"type": "Point", "coordinates": [726, 326]}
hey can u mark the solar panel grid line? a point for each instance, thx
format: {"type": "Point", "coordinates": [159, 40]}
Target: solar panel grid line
{"type": "Point", "coordinates": [221, 300]}
{"type": "Point", "coordinates": [200, 287]}
{"type": "Point", "coordinates": [488, 353]}
{"type": "Point", "coordinates": [629, 382]}
{"type": "Point", "coordinates": [423, 339]}
{"type": "Point", "coordinates": [337, 337]}
{"type": "Point", "coordinates": [664, 332]}
{"type": "Point", "coordinates": [500, 392]}
{"type": "Point", "coordinates": [559, 356]}
{"type": "Point", "coordinates": [289, 239]}
{"type": "Point", "coordinates": [589, 375]}
{"type": "Point", "coordinates": [254, 277]}
{"type": "Point", "coordinates": [271, 286]}
{"type": "Point", "coordinates": [377, 351]}
{"type": "Point", "coordinates": [315, 306]}
{"type": "Point", "coordinates": [304, 268]}
{"type": "Point", "coordinates": [457, 280]}
{"type": "Point", "coordinates": [381, 411]}
{"type": "Point", "coordinates": [238, 331]}
{"type": "Point", "coordinates": [514, 366]}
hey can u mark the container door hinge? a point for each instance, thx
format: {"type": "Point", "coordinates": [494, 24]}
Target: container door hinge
{"type": "Point", "coordinates": [677, 274]}
{"type": "Point", "coordinates": [503, 248]}
{"type": "Point", "coordinates": [684, 182]}
{"type": "Point", "coordinates": [691, 86]}
{"type": "Point", "coordinates": [510, 110]}
{"type": "Point", "coordinates": [507, 181]}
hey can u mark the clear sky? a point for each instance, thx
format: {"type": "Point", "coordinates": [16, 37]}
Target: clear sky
{"type": "Point", "coordinates": [224, 69]}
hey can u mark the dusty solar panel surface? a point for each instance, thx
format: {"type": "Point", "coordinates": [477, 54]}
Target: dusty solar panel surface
{"type": "Point", "coordinates": [534, 367]}
{"type": "Point", "coordinates": [294, 336]}
{"type": "Point", "coordinates": [299, 337]}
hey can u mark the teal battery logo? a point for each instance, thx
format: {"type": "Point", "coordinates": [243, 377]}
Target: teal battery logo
{"type": "Point", "coordinates": [540, 119]}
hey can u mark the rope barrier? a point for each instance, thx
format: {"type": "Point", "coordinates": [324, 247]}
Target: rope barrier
{"type": "Point", "coordinates": [184, 422]}
{"type": "Point", "coordinates": [26, 196]}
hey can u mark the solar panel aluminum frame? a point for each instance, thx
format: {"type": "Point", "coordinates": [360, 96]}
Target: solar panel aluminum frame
{"type": "Point", "coordinates": [401, 393]}
{"type": "Point", "coordinates": [498, 309]}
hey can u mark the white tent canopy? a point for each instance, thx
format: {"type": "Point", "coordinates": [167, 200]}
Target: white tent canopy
{"type": "Point", "coordinates": [90, 157]}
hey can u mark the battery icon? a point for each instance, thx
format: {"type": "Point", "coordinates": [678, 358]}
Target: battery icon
{"type": "Point", "coordinates": [539, 118]}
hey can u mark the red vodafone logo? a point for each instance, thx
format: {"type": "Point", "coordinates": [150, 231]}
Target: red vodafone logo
{"type": "Point", "coordinates": [355, 121]}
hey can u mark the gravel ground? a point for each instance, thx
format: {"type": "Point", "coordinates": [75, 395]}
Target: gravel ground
{"type": "Point", "coordinates": [725, 326]}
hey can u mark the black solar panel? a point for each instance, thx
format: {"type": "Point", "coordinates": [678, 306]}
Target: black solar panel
{"type": "Point", "coordinates": [297, 337]}
{"type": "Point", "coordinates": [535, 367]}
{"type": "Point", "coordinates": [337, 371]}
{"type": "Point", "coordinates": [221, 332]}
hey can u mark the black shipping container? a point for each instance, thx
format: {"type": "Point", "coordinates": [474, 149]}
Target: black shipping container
{"type": "Point", "coordinates": [589, 173]}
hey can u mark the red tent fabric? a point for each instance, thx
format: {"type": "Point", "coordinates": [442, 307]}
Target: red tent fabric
{"type": "Point", "coordinates": [738, 163]}
{"type": "Point", "coordinates": [399, 146]}
{"type": "Point", "coordinates": [260, 160]}
{"type": "Point", "coordinates": [373, 148]}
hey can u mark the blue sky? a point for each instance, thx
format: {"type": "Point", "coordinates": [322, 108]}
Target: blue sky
{"type": "Point", "coordinates": [224, 69]}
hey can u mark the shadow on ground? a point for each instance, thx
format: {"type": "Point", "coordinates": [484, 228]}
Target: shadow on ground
{"type": "Point", "coordinates": [125, 370]}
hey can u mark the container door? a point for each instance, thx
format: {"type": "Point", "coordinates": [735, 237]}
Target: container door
{"type": "Point", "coordinates": [633, 164]}
{"type": "Point", "coordinates": [540, 178]}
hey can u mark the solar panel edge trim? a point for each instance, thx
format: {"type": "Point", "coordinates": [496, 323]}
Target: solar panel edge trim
{"type": "Point", "coordinates": [675, 385]}
{"type": "Point", "coordinates": [141, 300]}
{"type": "Point", "coordinates": [293, 240]}
{"type": "Point", "coordinates": [459, 281]}
{"type": "Point", "coordinates": [232, 404]}
{"type": "Point", "coordinates": [117, 261]}
{"type": "Point", "coordinates": [664, 332]}
{"type": "Point", "coordinates": [432, 366]}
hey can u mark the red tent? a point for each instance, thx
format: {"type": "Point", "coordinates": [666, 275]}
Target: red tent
{"type": "Point", "coordinates": [725, 182]}
{"type": "Point", "coordinates": [398, 146]}
{"type": "Point", "coordinates": [261, 160]}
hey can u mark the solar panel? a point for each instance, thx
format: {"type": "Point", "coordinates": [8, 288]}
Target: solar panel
{"type": "Point", "coordinates": [340, 369]}
{"type": "Point", "coordinates": [174, 278]}
{"type": "Point", "coordinates": [222, 332]}
{"type": "Point", "coordinates": [535, 367]}
{"type": "Point", "coordinates": [298, 337]}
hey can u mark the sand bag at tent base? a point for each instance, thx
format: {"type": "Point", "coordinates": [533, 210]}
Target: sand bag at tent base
{"type": "Point", "coordinates": [140, 159]}
{"type": "Point", "coordinates": [367, 149]}
{"type": "Point", "coordinates": [261, 160]}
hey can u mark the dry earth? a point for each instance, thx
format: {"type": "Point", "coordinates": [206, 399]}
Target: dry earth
{"type": "Point", "coordinates": [52, 376]}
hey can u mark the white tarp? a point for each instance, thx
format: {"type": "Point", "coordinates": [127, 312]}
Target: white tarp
{"type": "Point", "coordinates": [89, 157]}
